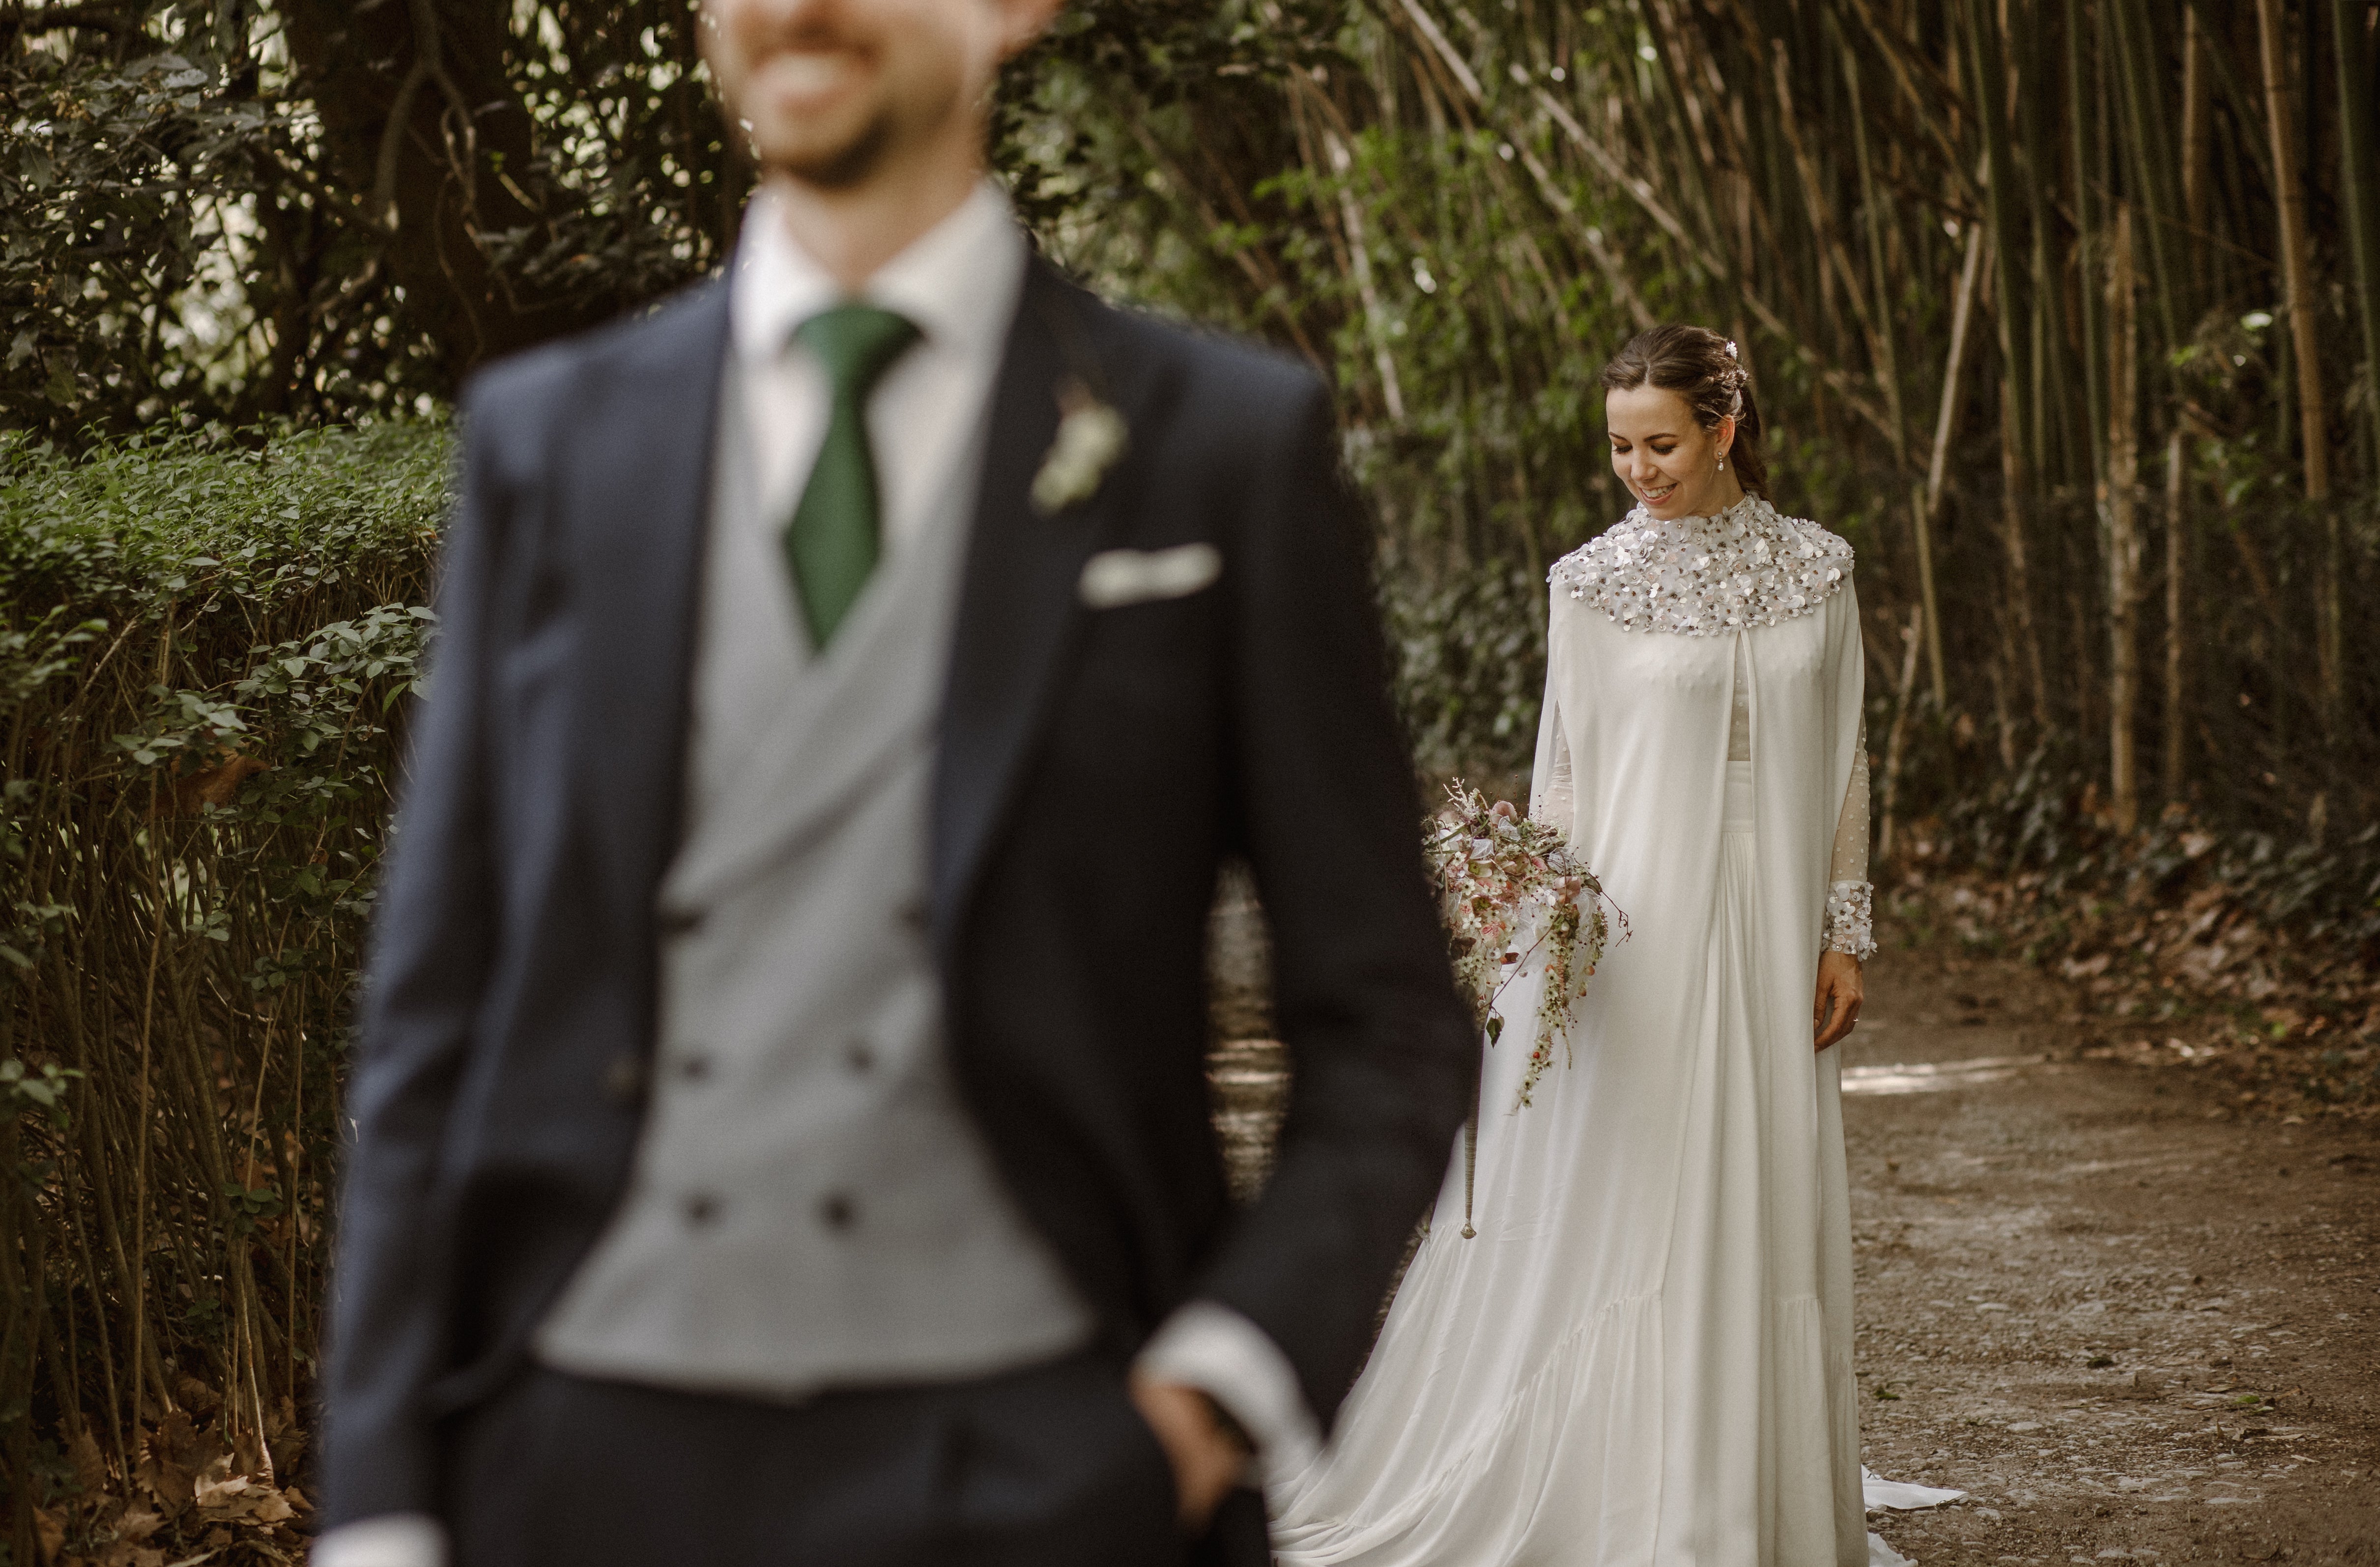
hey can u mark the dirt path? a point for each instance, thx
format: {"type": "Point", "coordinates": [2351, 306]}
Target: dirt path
{"type": "Point", "coordinates": [2134, 1327]}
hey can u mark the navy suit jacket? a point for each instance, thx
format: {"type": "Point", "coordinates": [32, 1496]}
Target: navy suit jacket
{"type": "Point", "coordinates": [1095, 767]}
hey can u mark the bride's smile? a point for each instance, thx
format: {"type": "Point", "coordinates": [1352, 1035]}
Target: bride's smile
{"type": "Point", "coordinates": [1665, 456]}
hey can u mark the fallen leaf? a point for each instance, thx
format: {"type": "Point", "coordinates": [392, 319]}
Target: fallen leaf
{"type": "Point", "coordinates": [239, 1499]}
{"type": "Point", "coordinates": [89, 1467]}
{"type": "Point", "coordinates": [218, 1489]}
{"type": "Point", "coordinates": [125, 1553]}
{"type": "Point", "coordinates": [172, 1457]}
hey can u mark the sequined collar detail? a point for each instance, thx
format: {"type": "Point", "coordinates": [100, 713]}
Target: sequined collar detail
{"type": "Point", "coordinates": [1706, 576]}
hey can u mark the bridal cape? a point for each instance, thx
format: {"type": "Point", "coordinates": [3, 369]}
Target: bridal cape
{"type": "Point", "coordinates": [1645, 1356]}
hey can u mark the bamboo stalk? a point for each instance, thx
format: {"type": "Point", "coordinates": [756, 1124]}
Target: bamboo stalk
{"type": "Point", "coordinates": [2244, 96]}
{"type": "Point", "coordinates": [1649, 198]}
{"type": "Point", "coordinates": [2050, 387]}
{"type": "Point", "coordinates": [2023, 625]}
{"type": "Point", "coordinates": [2298, 302]}
{"type": "Point", "coordinates": [1896, 742]}
{"type": "Point", "coordinates": [2358, 143]}
{"type": "Point", "coordinates": [2156, 196]}
{"type": "Point", "coordinates": [1986, 61]}
{"type": "Point", "coordinates": [1675, 85]}
{"type": "Point", "coordinates": [1946, 425]}
{"type": "Point", "coordinates": [2297, 280]}
{"type": "Point", "coordinates": [2088, 128]}
{"type": "Point", "coordinates": [1872, 221]}
{"type": "Point", "coordinates": [2119, 501]}
{"type": "Point", "coordinates": [1832, 252]}
{"type": "Point", "coordinates": [1359, 251]}
{"type": "Point", "coordinates": [1999, 201]}
{"type": "Point", "coordinates": [2197, 129]}
{"type": "Point", "coordinates": [2177, 599]}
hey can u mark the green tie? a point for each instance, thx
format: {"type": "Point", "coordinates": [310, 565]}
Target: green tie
{"type": "Point", "coordinates": [831, 545]}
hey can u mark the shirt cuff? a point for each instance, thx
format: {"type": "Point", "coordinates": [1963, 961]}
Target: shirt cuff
{"type": "Point", "coordinates": [1212, 1348]}
{"type": "Point", "coordinates": [393, 1540]}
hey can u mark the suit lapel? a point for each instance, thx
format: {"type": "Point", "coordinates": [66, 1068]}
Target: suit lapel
{"type": "Point", "coordinates": [636, 474]}
{"type": "Point", "coordinates": [1017, 609]}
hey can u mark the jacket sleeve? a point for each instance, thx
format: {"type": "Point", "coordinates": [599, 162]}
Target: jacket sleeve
{"type": "Point", "coordinates": [433, 939]}
{"type": "Point", "coordinates": [1365, 999]}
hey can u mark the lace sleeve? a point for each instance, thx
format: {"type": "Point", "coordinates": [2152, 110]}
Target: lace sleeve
{"type": "Point", "coordinates": [1851, 899]}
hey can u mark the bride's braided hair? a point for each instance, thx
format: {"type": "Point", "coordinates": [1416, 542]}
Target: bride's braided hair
{"type": "Point", "coordinates": [1701, 366]}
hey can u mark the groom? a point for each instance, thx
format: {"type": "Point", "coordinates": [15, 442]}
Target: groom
{"type": "Point", "coordinates": [781, 1134]}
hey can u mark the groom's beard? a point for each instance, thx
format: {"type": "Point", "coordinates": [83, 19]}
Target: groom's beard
{"type": "Point", "coordinates": [843, 168]}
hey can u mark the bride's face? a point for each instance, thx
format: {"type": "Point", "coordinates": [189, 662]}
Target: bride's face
{"type": "Point", "coordinates": [1665, 457]}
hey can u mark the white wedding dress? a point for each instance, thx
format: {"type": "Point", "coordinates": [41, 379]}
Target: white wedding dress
{"type": "Point", "coordinates": [1643, 1359]}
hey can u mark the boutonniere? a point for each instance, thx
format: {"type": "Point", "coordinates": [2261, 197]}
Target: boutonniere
{"type": "Point", "coordinates": [1091, 437]}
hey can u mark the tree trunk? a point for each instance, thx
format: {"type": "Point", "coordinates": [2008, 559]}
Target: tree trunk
{"type": "Point", "coordinates": [422, 127]}
{"type": "Point", "coordinates": [2119, 502]}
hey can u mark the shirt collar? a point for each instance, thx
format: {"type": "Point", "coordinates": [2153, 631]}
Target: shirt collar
{"type": "Point", "coordinates": [957, 281]}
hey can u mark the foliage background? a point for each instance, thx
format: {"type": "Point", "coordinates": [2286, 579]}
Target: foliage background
{"type": "Point", "coordinates": [2117, 530]}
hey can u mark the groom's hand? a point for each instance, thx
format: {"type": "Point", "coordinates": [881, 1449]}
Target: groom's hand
{"type": "Point", "coordinates": [1207, 1457]}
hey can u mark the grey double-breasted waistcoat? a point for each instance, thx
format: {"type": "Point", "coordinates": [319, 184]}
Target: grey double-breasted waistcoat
{"type": "Point", "coordinates": [811, 1206]}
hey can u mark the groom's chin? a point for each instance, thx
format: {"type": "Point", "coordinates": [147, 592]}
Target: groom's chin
{"type": "Point", "coordinates": [833, 162]}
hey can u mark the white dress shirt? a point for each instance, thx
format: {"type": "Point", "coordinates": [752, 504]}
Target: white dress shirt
{"type": "Point", "coordinates": [959, 284]}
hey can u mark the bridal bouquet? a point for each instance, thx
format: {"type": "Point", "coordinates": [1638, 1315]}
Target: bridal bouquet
{"type": "Point", "coordinates": [1511, 888]}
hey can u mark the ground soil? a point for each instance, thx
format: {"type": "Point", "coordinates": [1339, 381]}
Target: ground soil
{"type": "Point", "coordinates": [2130, 1324]}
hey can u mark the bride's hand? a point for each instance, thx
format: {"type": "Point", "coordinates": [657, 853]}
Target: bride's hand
{"type": "Point", "coordinates": [1835, 1011]}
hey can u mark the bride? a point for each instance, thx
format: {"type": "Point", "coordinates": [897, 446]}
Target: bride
{"type": "Point", "coordinates": [1645, 1355]}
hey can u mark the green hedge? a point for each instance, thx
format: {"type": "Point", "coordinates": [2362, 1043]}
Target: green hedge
{"type": "Point", "coordinates": [200, 667]}
{"type": "Point", "coordinates": [201, 664]}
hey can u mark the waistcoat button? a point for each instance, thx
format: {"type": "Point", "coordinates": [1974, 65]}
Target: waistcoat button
{"type": "Point", "coordinates": [859, 1056]}
{"type": "Point", "coordinates": [701, 1207]}
{"type": "Point", "coordinates": [835, 1211]}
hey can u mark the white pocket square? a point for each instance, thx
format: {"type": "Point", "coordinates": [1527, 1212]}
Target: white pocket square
{"type": "Point", "coordinates": [1114, 579]}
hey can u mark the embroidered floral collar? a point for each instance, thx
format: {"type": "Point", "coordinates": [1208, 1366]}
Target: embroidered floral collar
{"type": "Point", "coordinates": [1706, 576]}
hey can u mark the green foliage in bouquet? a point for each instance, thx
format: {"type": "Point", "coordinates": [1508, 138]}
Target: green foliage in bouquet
{"type": "Point", "coordinates": [1511, 891]}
